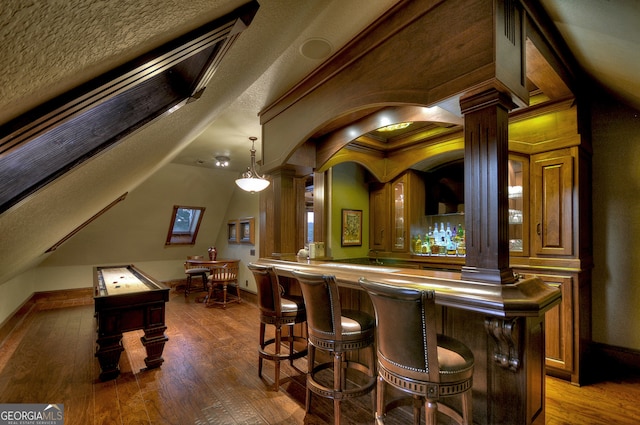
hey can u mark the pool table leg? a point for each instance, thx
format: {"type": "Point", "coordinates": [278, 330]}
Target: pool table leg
{"type": "Point", "coordinates": [153, 340]}
{"type": "Point", "coordinates": [108, 354]}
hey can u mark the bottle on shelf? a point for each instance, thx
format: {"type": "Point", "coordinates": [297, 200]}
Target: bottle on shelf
{"type": "Point", "coordinates": [425, 244]}
{"type": "Point", "coordinates": [442, 244]}
{"type": "Point", "coordinates": [461, 248]}
{"type": "Point", "coordinates": [431, 239]}
{"type": "Point", "coordinates": [417, 244]}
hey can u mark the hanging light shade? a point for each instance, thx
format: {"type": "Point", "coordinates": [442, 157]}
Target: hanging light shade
{"type": "Point", "coordinates": [251, 181]}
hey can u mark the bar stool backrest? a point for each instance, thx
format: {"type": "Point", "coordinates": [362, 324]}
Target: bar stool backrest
{"type": "Point", "coordinates": [322, 302]}
{"type": "Point", "coordinates": [406, 329]}
{"type": "Point", "coordinates": [269, 291]}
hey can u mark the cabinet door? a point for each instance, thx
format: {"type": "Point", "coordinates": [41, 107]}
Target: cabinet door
{"type": "Point", "coordinates": [399, 231]}
{"type": "Point", "coordinates": [408, 209]}
{"type": "Point", "coordinates": [379, 217]}
{"type": "Point", "coordinates": [559, 326]}
{"type": "Point", "coordinates": [518, 205]}
{"type": "Point", "coordinates": [559, 334]}
{"type": "Point", "coordinates": [552, 223]}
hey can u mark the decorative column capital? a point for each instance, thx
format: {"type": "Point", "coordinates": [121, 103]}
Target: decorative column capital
{"type": "Point", "coordinates": [486, 97]}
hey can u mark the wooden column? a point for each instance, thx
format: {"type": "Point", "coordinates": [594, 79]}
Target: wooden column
{"type": "Point", "coordinates": [486, 140]}
{"type": "Point", "coordinates": [319, 210]}
{"type": "Point", "coordinates": [279, 227]}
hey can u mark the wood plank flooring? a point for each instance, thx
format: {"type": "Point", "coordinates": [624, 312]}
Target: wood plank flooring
{"type": "Point", "coordinates": [210, 374]}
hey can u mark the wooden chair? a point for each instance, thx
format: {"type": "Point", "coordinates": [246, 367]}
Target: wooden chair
{"type": "Point", "coordinates": [416, 360]}
{"type": "Point", "coordinates": [223, 273]}
{"type": "Point", "coordinates": [277, 309]}
{"type": "Point", "coordinates": [339, 332]}
{"type": "Point", "coordinates": [195, 270]}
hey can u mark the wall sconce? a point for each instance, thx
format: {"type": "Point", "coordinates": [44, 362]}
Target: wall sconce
{"type": "Point", "coordinates": [250, 180]}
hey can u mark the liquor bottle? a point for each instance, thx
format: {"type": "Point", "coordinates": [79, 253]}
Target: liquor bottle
{"type": "Point", "coordinates": [432, 239]}
{"type": "Point", "coordinates": [461, 248]}
{"type": "Point", "coordinates": [442, 245]}
{"type": "Point", "coordinates": [425, 244]}
{"type": "Point", "coordinates": [417, 245]}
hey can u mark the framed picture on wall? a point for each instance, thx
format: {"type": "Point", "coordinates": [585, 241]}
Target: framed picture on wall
{"type": "Point", "coordinates": [351, 227]}
{"type": "Point", "coordinates": [246, 230]}
{"type": "Point", "coordinates": [233, 231]}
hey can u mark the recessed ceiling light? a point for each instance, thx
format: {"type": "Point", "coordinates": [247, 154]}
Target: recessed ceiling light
{"type": "Point", "coordinates": [393, 127]}
{"type": "Point", "coordinates": [222, 161]}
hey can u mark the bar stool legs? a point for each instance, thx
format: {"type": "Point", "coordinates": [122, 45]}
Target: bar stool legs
{"type": "Point", "coordinates": [337, 332]}
{"type": "Point", "coordinates": [281, 310]}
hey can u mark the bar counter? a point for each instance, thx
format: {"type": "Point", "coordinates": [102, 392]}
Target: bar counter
{"type": "Point", "coordinates": [502, 324]}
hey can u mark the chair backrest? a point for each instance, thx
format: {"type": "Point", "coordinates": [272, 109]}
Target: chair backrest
{"type": "Point", "coordinates": [322, 303]}
{"type": "Point", "coordinates": [406, 329]}
{"type": "Point", "coordinates": [269, 290]}
{"type": "Point", "coordinates": [189, 266]}
{"type": "Point", "coordinates": [224, 272]}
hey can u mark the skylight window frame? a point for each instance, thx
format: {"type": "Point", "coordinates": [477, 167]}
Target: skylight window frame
{"type": "Point", "coordinates": [177, 236]}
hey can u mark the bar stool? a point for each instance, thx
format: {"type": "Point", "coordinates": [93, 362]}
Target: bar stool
{"type": "Point", "coordinates": [337, 331]}
{"type": "Point", "coordinates": [413, 358]}
{"type": "Point", "coordinates": [277, 309]}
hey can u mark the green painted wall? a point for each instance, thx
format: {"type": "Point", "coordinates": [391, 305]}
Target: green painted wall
{"type": "Point", "coordinates": [348, 191]}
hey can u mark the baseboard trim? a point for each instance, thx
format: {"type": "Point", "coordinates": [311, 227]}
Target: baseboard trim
{"type": "Point", "coordinates": [10, 323]}
{"type": "Point", "coordinates": [614, 361]}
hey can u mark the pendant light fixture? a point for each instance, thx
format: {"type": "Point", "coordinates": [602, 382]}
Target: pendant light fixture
{"type": "Point", "coordinates": [251, 181]}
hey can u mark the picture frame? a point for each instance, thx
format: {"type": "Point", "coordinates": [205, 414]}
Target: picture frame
{"type": "Point", "coordinates": [351, 227]}
{"type": "Point", "coordinates": [241, 231]}
{"type": "Point", "coordinates": [246, 231]}
{"type": "Point", "coordinates": [232, 231]}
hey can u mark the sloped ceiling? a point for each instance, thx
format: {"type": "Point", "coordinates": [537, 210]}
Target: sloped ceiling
{"type": "Point", "coordinates": [47, 48]}
{"type": "Point", "coordinates": [604, 37]}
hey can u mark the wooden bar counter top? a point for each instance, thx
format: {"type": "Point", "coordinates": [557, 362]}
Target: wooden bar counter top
{"type": "Point", "coordinates": [502, 324]}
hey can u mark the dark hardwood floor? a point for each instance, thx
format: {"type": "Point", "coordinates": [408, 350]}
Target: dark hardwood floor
{"type": "Point", "coordinates": [209, 375]}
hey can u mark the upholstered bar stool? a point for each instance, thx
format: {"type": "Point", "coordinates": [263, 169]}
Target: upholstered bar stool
{"type": "Point", "coordinates": [337, 331]}
{"type": "Point", "coordinates": [413, 358]}
{"type": "Point", "coordinates": [277, 309]}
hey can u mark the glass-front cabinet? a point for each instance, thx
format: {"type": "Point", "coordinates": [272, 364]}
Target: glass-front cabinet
{"type": "Point", "coordinates": [407, 211]}
{"type": "Point", "coordinates": [399, 229]}
{"type": "Point", "coordinates": [518, 188]}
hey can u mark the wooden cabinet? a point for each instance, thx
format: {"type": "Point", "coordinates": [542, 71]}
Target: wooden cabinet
{"type": "Point", "coordinates": [408, 209]}
{"type": "Point", "coordinates": [552, 202]}
{"type": "Point", "coordinates": [559, 324]}
{"type": "Point", "coordinates": [518, 192]}
{"type": "Point", "coordinates": [395, 208]}
{"type": "Point", "coordinates": [557, 226]}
